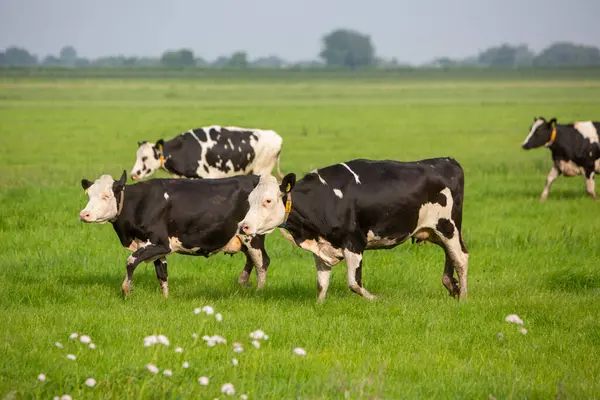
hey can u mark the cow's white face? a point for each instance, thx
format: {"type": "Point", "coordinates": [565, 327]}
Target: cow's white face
{"type": "Point", "coordinates": [102, 205]}
{"type": "Point", "coordinates": [147, 161]}
{"type": "Point", "coordinates": [539, 133]}
{"type": "Point", "coordinates": [267, 210]}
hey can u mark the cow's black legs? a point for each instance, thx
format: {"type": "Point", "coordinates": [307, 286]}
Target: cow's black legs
{"type": "Point", "coordinates": [354, 263]}
{"type": "Point", "coordinates": [323, 275]}
{"type": "Point", "coordinates": [160, 265]}
{"type": "Point", "coordinates": [146, 253]}
{"type": "Point", "coordinates": [590, 185]}
{"type": "Point", "coordinates": [552, 176]}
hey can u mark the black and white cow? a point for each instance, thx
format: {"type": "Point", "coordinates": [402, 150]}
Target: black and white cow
{"type": "Point", "coordinates": [163, 216]}
{"type": "Point", "coordinates": [211, 152]}
{"type": "Point", "coordinates": [342, 210]}
{"type": "Point", "coordinates": [574, 148]}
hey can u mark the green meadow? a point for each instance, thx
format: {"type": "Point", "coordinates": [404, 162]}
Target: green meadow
{"type": "Point", "coordinates": [540, 260]}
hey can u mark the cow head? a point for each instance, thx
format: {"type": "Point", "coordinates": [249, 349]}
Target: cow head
{"type": "Point", "coordinates": [148, 159]}
{"type": "Point", "coordinates": [267, 208]}
{"type": "Point", "coordinates": [540, 133]}
{"type": "Point", "coordinates": [104, 196]}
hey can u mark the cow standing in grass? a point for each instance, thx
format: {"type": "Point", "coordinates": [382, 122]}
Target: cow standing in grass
{"type": "Point", "coordinates": [574, 147]}
{"type": "Point", "coordinates": [163, 216]}
{"type": "Point", "coordinates": [342, 210]}
{"type": "Point", "coordinates": [211, 152]}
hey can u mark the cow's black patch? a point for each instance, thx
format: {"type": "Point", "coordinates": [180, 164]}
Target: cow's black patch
{"type": "Point", "coordinates": [230, 148]}
{"type": "Point", "coordinates": [440, 198]}
{"type": "Point", "coordinates": [446, 227]}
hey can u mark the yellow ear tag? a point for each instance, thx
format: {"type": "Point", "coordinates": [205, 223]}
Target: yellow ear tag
{"type": "Point", "coordinates": [288, 206]}
{"type": "Point", "coordinates": [86, 191]}
{"type": "Point", "coordinates": [161, 159]}
{"type": "Point", "coordinates": [288, 188]}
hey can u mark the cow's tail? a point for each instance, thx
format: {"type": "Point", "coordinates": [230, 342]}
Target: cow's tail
{"type": "Point", "coordinates": [278, 168]}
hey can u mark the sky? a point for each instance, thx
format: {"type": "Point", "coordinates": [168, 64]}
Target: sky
{"type": "Point", "coordinates": [414, 31]}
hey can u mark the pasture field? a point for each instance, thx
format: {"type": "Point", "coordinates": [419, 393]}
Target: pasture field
{"type": "Point", "coordinates": [538, 260]}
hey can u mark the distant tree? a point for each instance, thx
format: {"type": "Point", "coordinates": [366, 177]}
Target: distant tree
{"type": "Point", "coordinates": [178, 58]}
{"type": "Point", "coordinates": [348, 48]}
{"type": "Point", "coordinates": [3, 58]}
{"type": "Point", "coordinates": [200, 62]}
{"type": "Point", "coordinates": [239, 59]}
{"type": "Point", "coordinates": [68, 56]}
{"type": "Point", "coordinates": [50, 61]}
{"type": "Point", "coordinates": [523, 56]}
{"type": "Point", "coordinates": [501, 56]}
{"type": "Point", "coordinates": [15, 56]}
{"type": "Point", "coordinates": [568, 54]}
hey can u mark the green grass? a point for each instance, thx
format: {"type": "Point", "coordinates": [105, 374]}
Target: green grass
{"type": "Point", "coordinates": [539, 260]}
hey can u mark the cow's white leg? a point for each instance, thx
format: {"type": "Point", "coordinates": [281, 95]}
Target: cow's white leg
{"type": "Point", "coordinates": [552, 175]}
{"type": "Point", "coordinates": [354, 263]}
{"type": "Point", "coordinates": [323, 275]}
{"type": "Point", "coordinates": [245, 274]}
{"type": "Point", "coordinates": [457, 252]}
{"type": "Point", "coordinates": [590, 185]}
{"type": "Point", "coordinates": [160, 265]}
{"type": "Point", "coordinates": [126, 286]}
{"type": "Point", "coordinates": [260, 258]}
{"type": "Point", "coordinates": [448, 277]}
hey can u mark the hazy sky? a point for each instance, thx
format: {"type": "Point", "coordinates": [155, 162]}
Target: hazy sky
{"type": "Point", "coordinates": [412, 31]}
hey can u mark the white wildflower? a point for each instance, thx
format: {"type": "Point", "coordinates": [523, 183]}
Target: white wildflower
{"type": "Point", "coordinates": [194, 336]}
{"type": "Point", "coordinates": [59, 345]}
{"type": "Point", "coordinates": [90, 382]}
{"type": "Point", "coordinates": [197, 310]}
{"type": "Point", "coordinates": [256, 344]}
{"type": "Point", "coordinates": [179, 350]}
{"type": "Point", "coordinates": [185, 364]}
{"type": "Point", "coordinates": [219, 317]}
{"type": "Point", "coordinates": [73, 335]}
{"type": "Point", "coordinates": [162, 339]}
{"type": "Point", "coordinates": [85, 339]}
{"type": "Point", "coordinates": [56, 398]}
{"type": "Point", "coordinates": [41, 377]}
{"type": "Point", "coordinates": [66, 397]}
{"type": "Point", "coordinates": [266, 337]}
{"type": "Point", "coordinates": [514, 318]}
{"type": "Point", "coordinates": [235, 362]}
{"type": "Point", "coordinates": [299, 351]}
{"type": "Point", "coordinates": [168, 372]}
{"type": "Point", "coordinates": [206, 338]}
{"type": "Point", "coordinates": [150, 340]}
{"type": "Point", "coordinates": [244, 396]}
{"type": "Point", "coordinates": [152, 368]}
{"type": "Point", "coordinates": [228, 389]}
{"type": "Point", "coordinates": [257, 334]}
{"type": "Point", "coordinates": [208, 310]}
{"type": "Point", "coordinates": [92, 346]}
{"type": "Point", "coordinates": [238, 349]}
{"type": "Point", "coordinates": [203, 380]}
{"type": "Point", "coordinates": [523, 331]}
{"type": "Point", "coordinates": [71, 357]}
{"type": "Point", "coordinates": [211, 343]}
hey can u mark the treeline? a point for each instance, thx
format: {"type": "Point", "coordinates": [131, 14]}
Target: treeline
{"type": "Point", "coordinates": [341, 48]}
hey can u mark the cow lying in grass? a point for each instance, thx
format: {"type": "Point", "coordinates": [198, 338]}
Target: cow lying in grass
{"type": "Point", "coordinates": [162, 216]}
{"type": "Point", "coordinates": [342, 210]}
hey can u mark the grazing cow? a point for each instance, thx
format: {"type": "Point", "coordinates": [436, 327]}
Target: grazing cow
{"type": "Point", "coordinates": [211, 152]}
{"type": "Point", "coordinates": [342, 210]}
{"type": "Point", "coordinates": [574, 148]}
{"type": "Point", "coordinates": [163, 216]}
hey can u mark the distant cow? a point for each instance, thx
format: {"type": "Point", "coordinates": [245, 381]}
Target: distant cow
{"type": "Point", "coordinates": [211, 152]}
{"type": "Point", "coordinates": [163, 216]}
{"type": "Point", "coordinates": [342, 210]}
{"type": "Point", "coordinates": [574, 150]}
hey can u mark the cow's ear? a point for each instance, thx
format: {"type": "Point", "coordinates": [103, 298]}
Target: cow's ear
{"type": "Point", "coordinates": [85, 184]}
{"type": "Point", "coordinates": [288, 182]}
{"type": "Point", "coordinates": [552, 122]}
{"type": "Point", "coordinates": [159, 145]}
{"type": "Point", "coordinates": [139, 144]}
{"type": "Point", "coordinates": [120, 184]}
